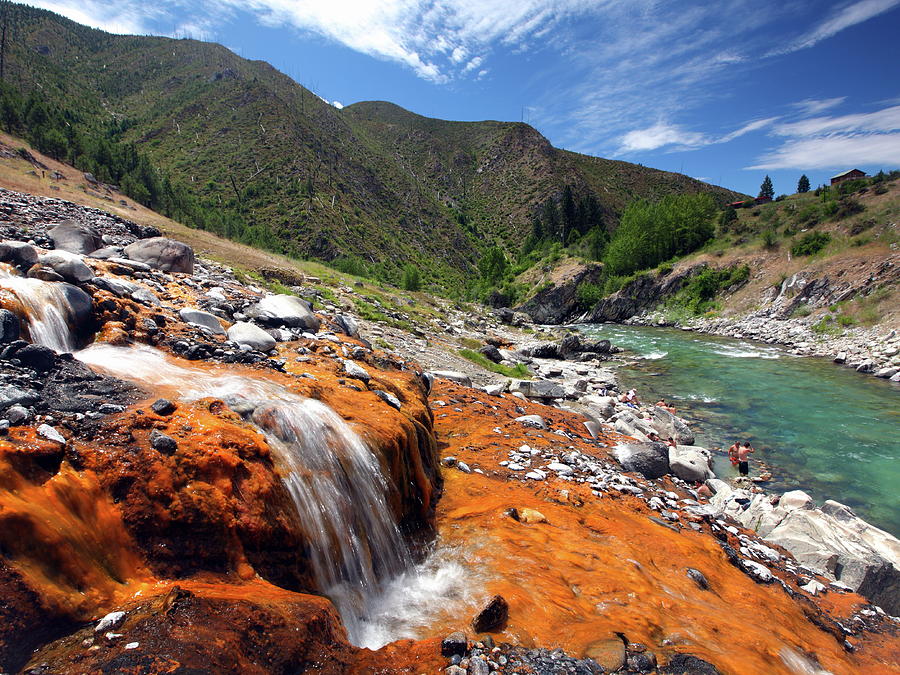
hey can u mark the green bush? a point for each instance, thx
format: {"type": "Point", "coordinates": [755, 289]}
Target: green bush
{"type": "Point", "coordinates": [588, 295]}
{"type": "Point", "coordinates": [519, 371]}
{"type": "Point", "coordinates": [411, 279]}
{"type": "Point", "coordinates": [770, 239]}
{"type": "Point", "coordinates": [811, 243]}
{"type": "Point", "coordinates": [697, 294]}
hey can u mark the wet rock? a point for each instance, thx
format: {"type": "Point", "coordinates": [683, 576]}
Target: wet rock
{"type": "Point", "coordinates": [609, 653]}
{"type": "Point", "coordinates": [284, 310]}
{"type": "Point", "coordinates": [162, 406]}
{"type": "Point", "coordinates": [18, 254]}
{"type": "Point", "coordinates": [493, 617]}
{"type": "Point", "coordinates": [698, 578]}
{"type": "Point", "coordinates": [643, 662]}
{"type": "Point", "coordinates": [454, 644]}
{"type": "Point", "coordinates": [203, 319]}
{"type": "Point", "coordinates": [651, 460]}
{"type": "Point", "coordinates": [685, 664]}
{"type": "Point", "coordinates": [9, 326]}
{"type": "Point", "coordinates": [162, 443]}
{"type": "Point", "coordinates": [356, 371]}
{"type": "Point", "coordinates": [17, 415]}
{"type": "Point", "coordinates": [44, 273]}
{"type": "Point", "coordinates": [163, 254]}
{"type": "Point", "coordinates": [252, 336]}
{"type": "Point", "coordinates": [51, 434]}
{"type": "Point", "coordinates": [72, 236]}
{"type": "Point", "coordinates": [36, 357]}
{"type": "Point", "coordinates": [388, 398]}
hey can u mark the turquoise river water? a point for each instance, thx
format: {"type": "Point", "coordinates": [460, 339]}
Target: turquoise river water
{"type": "Point", "coordinates": [821, 428]}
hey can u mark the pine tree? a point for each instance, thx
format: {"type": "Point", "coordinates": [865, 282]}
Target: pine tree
{"type": "Point", "coordinates": [766, 190]}
{"type": "Point", "coordinates": [803, 184]}
{"type": "Point", "coordinates": [569, 214]}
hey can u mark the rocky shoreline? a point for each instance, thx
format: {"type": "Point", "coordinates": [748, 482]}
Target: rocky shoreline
{"type": "Point", "coordinates": [869, 351]}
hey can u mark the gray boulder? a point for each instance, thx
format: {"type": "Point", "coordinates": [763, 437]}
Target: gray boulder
{"type": "Point", "coordinates": [252, 336]}
{"type": "Point", "coordinates": [69, 266]}
{"type": "Point", "coordinates": [347, 324]}
{"type": "Point", "coordinates": [284, 310]}
{"type": "Point", "coordinates": [668, 425]}
{"type": "Point", "coordinates": [651, 460]}
{"type": "Point", "coordinates": [18, 254]}
{"type": "Point", "coordinates": [80, 305]}
{"type": "Point", "coordinates": [491, 353]}
{"type": "Point", "coordinates": [691, 463]}
{"type": "Point", "coordinates": [198, 317]}
{"type": "Point", "coordinates": [162, 253]}
{"type": "Point", "coordinates": [74, 237]}
{"type": "Point", "coordinates": [544, 389]}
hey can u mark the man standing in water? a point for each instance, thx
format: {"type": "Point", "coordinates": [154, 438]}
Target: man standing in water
{"type": "Point", "coordinates": [733, 453]}
{"type": "Point", "coordinates": [743, 455]}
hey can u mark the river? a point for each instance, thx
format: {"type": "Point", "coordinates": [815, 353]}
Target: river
{"type": "Point", "coordinates": [821, 428]}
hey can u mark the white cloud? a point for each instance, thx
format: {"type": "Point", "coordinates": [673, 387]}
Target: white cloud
{"type": "Point", "coordinates": [847, 16]}
{"type": "Point", "coordinates": [755, 125]}
{"type": "Point", "coordinates": [812, 106]}
{"type": "Point", "coordinates": [337, 104]}
{"type": "Point", "coordinates": [834, 152]}
{"type": "Point", "coordinates": [124, 18]}
{"type": "Point", "coordinates": [834, 142]}
{"type": "Point", "coordinates": [658, 136]}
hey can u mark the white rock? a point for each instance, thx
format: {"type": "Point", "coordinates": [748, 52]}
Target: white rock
{"type": "Point", "coordinates": [110, 621]}
{"type": "Point", "coordinates": [51, 434]}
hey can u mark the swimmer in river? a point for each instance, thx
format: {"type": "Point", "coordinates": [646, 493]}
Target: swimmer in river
{"type": "Point", "coordinates": [743, 455]}
{"type": "Point", "coordinates": [733, 453]}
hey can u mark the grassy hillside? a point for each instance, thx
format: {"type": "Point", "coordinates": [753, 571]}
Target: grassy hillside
{"type": "Point", "coordinates": [280, 168]}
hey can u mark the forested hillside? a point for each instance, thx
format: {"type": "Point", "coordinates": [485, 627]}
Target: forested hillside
{"type": "Point", "coordinates": [236, 147]}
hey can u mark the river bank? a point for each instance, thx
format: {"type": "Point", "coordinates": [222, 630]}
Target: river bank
{"type": "Point", "coordinates": [870, 351]}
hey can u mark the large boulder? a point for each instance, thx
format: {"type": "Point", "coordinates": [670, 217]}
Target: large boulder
{"type": "Point", "coordinates": [252, 336]}
{"type": "Point", "coordinates": [198, 317]}
{"type": "Point", "coordinates": [70, 266]}
{"type": "Point", "coordinates": [691, 463]}
{"type": "Point", "coordinates": [603, 406]}
{"type": "Point", "coordinates": [18, 254]}
{"type": "Point", "coordinates": [544, 389]}
{"type": "Point", "coordinates": [453, 376]}
{"type": "Point", "coordinates": [832, 540]}
{"type": "Point", "coordinates": [668, 425]}
{"type": "Point", "coordinates": [559, 303]}
{"type": "Point", "coordinates": [284, 310]}
{"type": "Point", "coordinates": [74, 237]}
{"type": "Point", "coordinates": [164, 254]}
{"type": "Point", "coordinates": [9, 326]}
{"type": "Point", "coordinates": [651, 460]}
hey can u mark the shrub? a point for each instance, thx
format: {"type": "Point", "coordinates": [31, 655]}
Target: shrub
{"type": "Point", "coordinates": [698, 292]}
{"type": "Point", "coordinates": [588, 295]}
{"type": "Point", "coordinates": [847, 207]}
{"type": "Point", "coordinates": [770, 239]}
{"type": "Point", "coordinates": [411, 279]}
{"type": "Point", "coordinates": [811, 243]}
{"type": "Point", "coordinates": [519, 371]}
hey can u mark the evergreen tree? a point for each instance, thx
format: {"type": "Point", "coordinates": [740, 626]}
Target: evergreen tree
{"type": "Point", "coordinates": [766, 190]}
{"type": "Point", "coordinates": [803, 184]}
{"type": "Point", "coordinates": [492, 265]}
{"type": "Point", "coordinates": [550, 219]}
{"type": "Point", "coordinates": [569, 214]}
{"type": "Point", "coordinates": [411, 279]}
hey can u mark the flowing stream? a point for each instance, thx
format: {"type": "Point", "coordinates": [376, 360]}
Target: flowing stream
{"type": "Point", "coordinates": [823, 429]}
{"type": "Point", "coordinates": [358, 556]}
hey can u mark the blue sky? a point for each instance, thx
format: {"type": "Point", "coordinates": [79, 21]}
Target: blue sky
{"type": "Point", "coordinates": [724, 91]}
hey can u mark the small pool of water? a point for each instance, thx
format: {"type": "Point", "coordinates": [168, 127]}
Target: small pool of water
{"type": "Point", "coordinates": [824, 429]}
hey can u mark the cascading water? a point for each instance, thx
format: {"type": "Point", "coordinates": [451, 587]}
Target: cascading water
{"type": "Point", "coordinates": [358, 556]}
{"type": "Point", "coordinates": [46, 309]}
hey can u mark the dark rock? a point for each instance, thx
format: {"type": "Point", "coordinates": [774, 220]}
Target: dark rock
{"type": "Point", "coordinates": [493, 617]}
{"type": "Point", "coordinates": [651, 460]}
{"type": "Point", "coordinates": [164, 254]}
{"type": "Point", "coordinates": [72, 236]}
{"type": "Point", "coordinates": [390, 399]}
{"type": "Point", "coordinates": [644, 292]}
{"type": "Point", "coordinates": [570, 346]}
{"type": "Point", "coordinates": [198, 317]}
{"type": "Point", "coordinates": [560, 302]}
{"type": "Point", "coordinates": [37, 357]}
{"type": "Point", "coordinates": [645, 662]}
{"type": "Point", "coordinates": [162, 443]}
{"type": "Point", "coordinates": [11, 395]}
{"type": "Point", "coordinates": [492, 353]}
{"type": "Point", "coordinates": [43, 273]}
{"type": "Point", "coordinates": [597, 347]}
{"type": "Point", "coordinates": [698, 577]}
{"type": "Point", "coordinates": [685, 664]}
{"type": "Point", "coordinates": [9, 326]}
{"type": "Point", "coordinates": [454, 644]}
{"type": "Point", "coordinates": [162, 406]}
{"type": "Point", "coordinates": [347, 325]}
{"type": "Point", "coordinates": [68, 265]}
{"type": "Point", "coordinates": [17, 414]}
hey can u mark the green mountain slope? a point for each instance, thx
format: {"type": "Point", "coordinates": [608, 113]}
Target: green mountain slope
{"type": "Point", "coordinates": [372, 180]}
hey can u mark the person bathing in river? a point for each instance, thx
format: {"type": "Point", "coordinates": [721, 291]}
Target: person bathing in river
{"type": "Point", "coordinates": [661, 403]}
{"type": "Point", "coordinates": [733, 453]}
{"type": "Point", "coordinates": [743, 455]}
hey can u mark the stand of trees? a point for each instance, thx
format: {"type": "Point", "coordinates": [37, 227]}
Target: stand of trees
{"type": "Point", "coordinates": [568, 222]}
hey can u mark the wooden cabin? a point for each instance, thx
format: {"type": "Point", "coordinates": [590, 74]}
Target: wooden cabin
{"type": "Point", "coordinates": [847, 175]}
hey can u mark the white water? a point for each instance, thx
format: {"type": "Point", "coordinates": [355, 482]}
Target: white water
{"type": "Point", "coordinates": [46, 308]}
{"type": "Point", "coordinates": [358, 555]}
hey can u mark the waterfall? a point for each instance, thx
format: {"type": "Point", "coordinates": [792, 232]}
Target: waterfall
{"type": "Point", "coordinates": [334, 479]}
{"type": "Point", "coordinates": [46, 309]}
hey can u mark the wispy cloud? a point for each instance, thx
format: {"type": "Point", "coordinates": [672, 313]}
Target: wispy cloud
{"type": "Point", "coordinates": [843, 18]}
{"type": "Point", "coordinates": [126, 18]}
{"type": "Point", "coordinates": [673, 137]}
{"type": "Point", "coordinates": [832, 142]}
